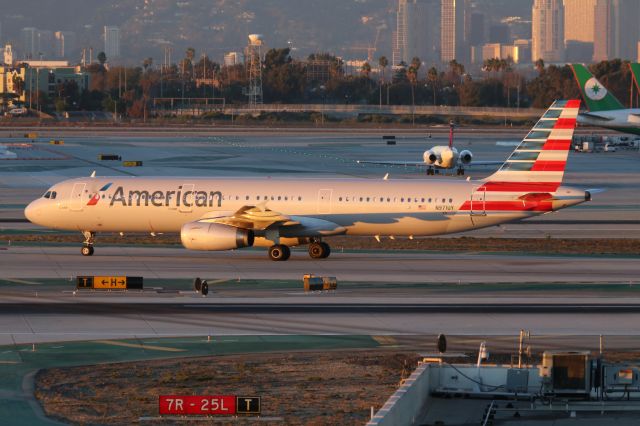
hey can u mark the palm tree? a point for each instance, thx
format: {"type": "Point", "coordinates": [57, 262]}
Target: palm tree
{"type": "Point", "coordinates": [366, 69]}
{"type": "Point", "coordinates": [383, 62]}
{"type": "Point", "coordinates": [432, 76]}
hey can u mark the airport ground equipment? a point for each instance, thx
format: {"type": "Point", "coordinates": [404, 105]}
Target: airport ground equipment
{"type": "Point", "coordinates": [56, 142]}
{"type": "Point", "coordinates": [389, 139]}
{"type": "Point", "coordinates": [313, 283]}
{"type": "Point", "coordinates": [102, 282]}
{"type": "Point", "coordinates": [132, 163]}
{"type": "Point", "coordinates": [109, 157]}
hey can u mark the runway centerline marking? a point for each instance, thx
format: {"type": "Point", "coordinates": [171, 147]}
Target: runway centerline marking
{"type": "Point", "coordinates": [140, 346]}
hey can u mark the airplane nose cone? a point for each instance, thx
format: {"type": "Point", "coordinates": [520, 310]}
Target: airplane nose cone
{"type": "Point", "coordinates": [31, 212]}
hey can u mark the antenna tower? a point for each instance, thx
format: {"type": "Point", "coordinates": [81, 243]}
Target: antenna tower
{"type": "Point", "coordinates": [254, 69]}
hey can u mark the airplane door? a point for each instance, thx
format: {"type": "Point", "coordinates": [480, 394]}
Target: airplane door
{"type": "Point", "coordinates": [187, 198]}
{"type": "Point", "coordinates": [324, 201]}
{"type": "Point", "coordinates": [478, 202]}
{"type": "Point", "coordinates": [76, 202]}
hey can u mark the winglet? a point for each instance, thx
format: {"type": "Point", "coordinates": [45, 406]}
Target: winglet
{"type": "Point", "coordinates": [93, 174]}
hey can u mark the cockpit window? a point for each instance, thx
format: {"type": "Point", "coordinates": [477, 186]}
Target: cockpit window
{"type": "Point", "coordinates": [54, 194]}
{"type": "Point", "coordinates": [50, 194]}
{"type": "Point", "coordinates": [47, 194]}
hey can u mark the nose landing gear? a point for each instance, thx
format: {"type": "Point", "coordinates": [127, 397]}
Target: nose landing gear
{"type": "Point", "coordinates": [89, 239]}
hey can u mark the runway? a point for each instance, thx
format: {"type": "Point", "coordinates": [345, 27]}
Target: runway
{"type": "Point", "coordinates": [377, 266]}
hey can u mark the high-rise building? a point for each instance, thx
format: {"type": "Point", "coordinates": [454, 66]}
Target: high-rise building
{"type": "Point", "coordinates": [112, 42]}
{"type": "Point", "coordinates": [499, 33]}
{"type": "Point", "coordinates": [547, 30]}
{"type": "Point", "coordinates": [579, 18]}
{"type": "Point", "coordinates": [417, 31]}
{"type": "Point", "coordinates": [64, 43]}
{"type": "Point", "coordinates": [603, 31]}
{"type": "Point", "coordinates": [476, 32]}
{"type": "Point", "coordinates": [452, 43]}
{"type": "Point", "coordinates": [29, 45]}
{"type": "Point", "coordinates": [625, 17]}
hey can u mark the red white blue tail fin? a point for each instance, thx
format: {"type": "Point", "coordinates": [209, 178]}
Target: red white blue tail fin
{"type": "Point", "coordinates": [538, 163]}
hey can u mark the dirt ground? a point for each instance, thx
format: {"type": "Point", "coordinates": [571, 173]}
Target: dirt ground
{"type": "Point", "coordinates": [310, 388]}
{"type": "Point", "coordinates": [461, 244]}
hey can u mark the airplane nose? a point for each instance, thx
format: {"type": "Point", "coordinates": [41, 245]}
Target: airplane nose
{"type": "Point", "coordinates": [31, 212]}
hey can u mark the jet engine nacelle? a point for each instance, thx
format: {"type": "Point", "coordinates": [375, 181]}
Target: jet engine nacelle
{"type": "Point", "coordinates": [214, 236]}
{"type": "Point", "coordinates": [430, 157]}
{"type": "Point", "coordinates": [466, 156]}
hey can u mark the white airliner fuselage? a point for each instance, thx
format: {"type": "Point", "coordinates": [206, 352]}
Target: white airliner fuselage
{"type": "Point", "coordinates": [226, 213]}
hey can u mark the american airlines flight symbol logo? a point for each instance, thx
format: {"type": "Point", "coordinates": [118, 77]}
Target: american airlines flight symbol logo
{"type": "Point", "coordinates": [94, 200]}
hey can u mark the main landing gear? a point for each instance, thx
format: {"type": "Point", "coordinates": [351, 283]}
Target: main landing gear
{"type": "Point", "coordinates": [279, 252]}
{"type": "Point", "coordinates": [89, 239]}
{"type": "Point", "coordinates": [317, 250]}
{"type": "Point", "coordinates": [460, 171]}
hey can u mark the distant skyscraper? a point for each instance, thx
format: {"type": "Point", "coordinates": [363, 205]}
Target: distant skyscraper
{"type": "Point", "coordinates": [603, 31]}
{"type": "Point", "coordinates": [29, 39]}
{"type": "Point", "coordinates": [625, 17]}
{"type": "Point", "coordinates": [112, 42]}
{"type": "Point", "coordinates": [475, 33]}
{"type": "Point", "coordinates": [452, 43]}
{"type": "Point", "coordinates": [579, 20]}
{"type": "Point", "coordinates": [547, 31]}
{"type": "Point", "coordinates": [64, 43]}
{"type": "Point", "coordinates": [417, 31]}
{"type": "Point", "coordinates": [499, 33]}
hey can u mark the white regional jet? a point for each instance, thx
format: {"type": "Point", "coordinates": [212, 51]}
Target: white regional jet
{"type": "Point", "coordinates": [226, 214]}
{"type": "Point", "coordinates": [440, 157]}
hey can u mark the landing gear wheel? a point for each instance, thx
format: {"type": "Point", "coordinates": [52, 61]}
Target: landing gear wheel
{"type": "Point", "coordinates": [318, 250]}
{"type": "Point", "coordinates": [279, 252]}
{"type": "Point", "coordinates": [460, 172]}
{"type": "Point", "coordinates": [430, 172]}
{"type": "Point", "coordinates": [89, 239]}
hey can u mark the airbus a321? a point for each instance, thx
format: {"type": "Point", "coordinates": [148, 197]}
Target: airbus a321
{"type": "Point", "coordinates": [232, 213]}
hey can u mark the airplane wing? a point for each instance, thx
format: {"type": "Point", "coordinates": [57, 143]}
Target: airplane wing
{"type": "Point", "coordinates": [394, 163]}
{"type": "Point", "coordinates": [260, 218]}
{"type": "Point", "coordinates": [250, 217]}
{"type": "Point", "coordinates": [595, 116]}
{"type": "Point", "coordinates": [475, 163]}
{"type": "Point", "coordinates": [423, 164]}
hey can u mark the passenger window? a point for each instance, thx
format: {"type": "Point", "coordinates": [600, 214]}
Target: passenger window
{"type": "Point", "coordinates": [360, 199]}
{"type": "Point", "coordinates": [247, 198]}
{"type": "Point", "coordinates": [340, 199]}
{"type": "Point", "coordinates": [299, 198]}
{"type": "Point", "coordinates": [451, 200]}
{"type": "Point", "coordinates": [443, 200]}
{"type": "Point", "coordinates": [429, 199]}
{"type": "Point", "coordinates": [402, 200]}
{"type": "Point", "coordinates": [279, 198]}
{"type": "Point", "coordinates": [367, 199]}
{"type": "Point", "coordinates": [286, 198]}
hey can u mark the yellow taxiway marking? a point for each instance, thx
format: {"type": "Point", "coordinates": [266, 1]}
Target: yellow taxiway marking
{"type": "Point", "coordinates": [9, 362]}
{"type": "Point", "coordinates": [385, 340]}
{"type": "Point", "coordinates": [15, 280]}
{"type": "Point", "coordinates": [135, 345]}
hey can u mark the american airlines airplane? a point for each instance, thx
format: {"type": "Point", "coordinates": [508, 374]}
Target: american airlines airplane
{"type": "Point", "coordinates": [227, 214]}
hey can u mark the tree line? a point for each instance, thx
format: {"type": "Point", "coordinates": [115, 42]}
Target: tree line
{"type": "Point", "coordinates": [130, 91]}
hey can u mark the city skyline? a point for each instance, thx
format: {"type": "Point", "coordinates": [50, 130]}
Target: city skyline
{"type": "Point", "coordinates": [436, 31]}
